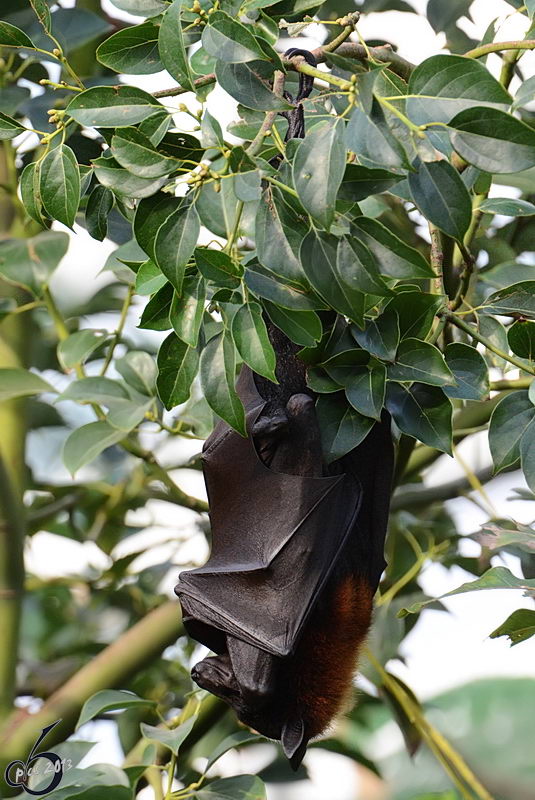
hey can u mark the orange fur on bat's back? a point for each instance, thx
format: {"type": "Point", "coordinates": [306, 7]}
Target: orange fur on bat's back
{"type": "Point", "coordinates": [326, 658]}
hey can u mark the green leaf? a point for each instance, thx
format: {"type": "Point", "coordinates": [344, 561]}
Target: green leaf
{"type": "Point", "coordinates": [422, 412]}
{"type": "Point", "coordinates": [470, 370]}
{"type": "Point", "coordinates": [240, 787]}
{"type": "Point", "coordinates": [420, 361]}
{"type": "Point", "coordinates": [103, 391]}
{"type": "Point", "coordinates": [217, 372]}
{"type": "Point", "coordinates": [187, 310]}
{"type": "Point", "coordinates": [360, 182]}
{"type": "Point", "coordinates": [76, 348]}
{"type": "Point", "coordinates": [229, 743]}
{"type": "Point", "coordinates": [42, 12]}
{"type": "Point", "coordinates": [330, 277]}
{"type": "Point", "coordinates": [450, 84]}
{"type": "Point", "coordinates": [124, 183]}
{"type": "Point", "coordinates": [509, 421]}
{"type": "Point", "coordinates": [493, 141]}
{"type": "Point", "coordinates": [249, 85]}
{"type": "Point", "coordinates": [60, 184]}
{"type": "Point", "coordinates": [211, 133]}
{"type": "Point", "coordinates": [440, 194]}
{"type": "Point", "coordinates": [396, 258]}
{"type": "Point", "coordinates": [150, 215]}
{"type": "Point", "coordinates": [141, 8]}
{"type": "Point", "coordinates": [356, 262]}
{"type": "Point", "coordinates": [86, 443]}
{"type": "Point", "coordinates": [301, 327]}
{"type": "Point", "coordinates": [494, 578]}
{"type": "Point", "coordinates": [318, 169]}
{"type": "Point", "coordinates": [521, 338]}
{"type": "Point", "coordinates": [177, 367]}
{"type": "Point", "coordinates": [175, 242]}
{"type": "Point", "coordinates": [132, 50]}
{"type": "Point", "coordinates": [365, 390]}
{"type": "Point", "coordinates": [322, 383]}
{"type": "Point", "coordinates": [371, 137]}
{"type": "Point", "coordinates": [11, 36]}
{"type": "Point", "coordinates": [135, 152]}
{"type": "Point", "coordinates": [170, 738]}
{"type": "Point", "coordinates": [524, 95]}
{"type": "Point", "coordinates": [342, 428]}
{"type": "Point", "coordinates": [516, 299]}
{"type": "Point", "coordinates": [381, 336]}
{"type": "Point", "coordinates": [9, 127]}
{"type": "Point", "coordinates": [98, 208]}
{"type": "Point", "coordinates": [172, 46]}
{"type": "Point", "coordinates": [149, 278]}
{"type": "Point", "coordinates": [228, 40]}
{"type": "Point", "coordinates": [110, 700]}
{"type": "Point", "coordinates": [508, 207]}
{"type": "Point", "coordinates": [21, 383]}
{"type": "Point", "coordinates": [252, 341]}
{"type": "Point", "coordinates": [267, 286]}
{"type": "Point", "coordinates": [527, 452]}
{"type": "Point", "coordinates": [216, 266]}
{"type": "Point", "coordinates": [110, 107]}
{"type": "Point", "coordinates": [156, 314]}
{"type": "Point", "coordinates": [518, 627]}
{"type": "Point", "coordinates": [139, 371]}
{"type": "Point", "coordinates": [530, 5]}
{"type": "Point", "coordinates": [279, 233]}
{"type": "Point", "coordinates": [30, 193]}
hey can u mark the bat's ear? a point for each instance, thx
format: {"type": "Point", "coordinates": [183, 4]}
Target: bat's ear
{"type": "Point", "coordinates": [294, 742]}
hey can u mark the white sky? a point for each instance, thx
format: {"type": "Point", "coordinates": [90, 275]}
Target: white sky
{"type": "Point", "coordinates": [444, 650]}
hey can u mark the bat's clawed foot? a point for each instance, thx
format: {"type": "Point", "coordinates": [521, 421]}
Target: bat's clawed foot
{"type": "Point", "coordinates": [215, 674]}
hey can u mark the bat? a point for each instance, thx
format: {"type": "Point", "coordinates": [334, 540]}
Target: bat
{"type": "Point", "coordinates": [285, 598]}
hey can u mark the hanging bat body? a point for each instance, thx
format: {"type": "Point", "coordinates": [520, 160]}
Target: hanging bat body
{"type": "Point", "coordinates": [285, 599]}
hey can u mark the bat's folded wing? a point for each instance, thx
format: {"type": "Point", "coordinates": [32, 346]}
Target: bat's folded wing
{"type": "Point", "coordinates": [275, 543]}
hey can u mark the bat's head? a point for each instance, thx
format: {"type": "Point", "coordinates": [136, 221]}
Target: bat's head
{"type": "Point", "coordinates": [266, 713]}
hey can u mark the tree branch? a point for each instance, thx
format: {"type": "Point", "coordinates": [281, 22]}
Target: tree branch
{"type": "Point", "coordinates": [112, 667]}
{"type": "Point", "coordinates": [498, 47]}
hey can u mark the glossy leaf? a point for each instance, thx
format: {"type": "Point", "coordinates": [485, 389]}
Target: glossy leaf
{"type": "Point", "coordinates": [132, 50]}
{"type": "Point", "coordinates": [239, 787]}
{"type": "Point", "coordinates": [510, 419]}
{"type": "Point", "coordinates": [422, 412]}
{"type": "Point", "coordinates": [30, 193]}
{"type": "Point", "coordinates": [527, 453]}
{"type": "Point", "coordinates": [60, 184]}
{"type": "Point", "coordinates": [507, 206]}
{"type": "Point", "coordinates": [77, 347]}
{"type": "Point", "coordinates": [110, 700]}
{"type": "Point", "coordinates": [440, 194]}
{"type": "Point", "coordinates": [149, 278]}
{"type": "Point", "coordinates": [187, 310]}
{"type": "Point", "coordinates": [175, 242]}
{"type": "Point", "coordinates": [135, 152]}
{"type": "Point", "coordinates": [450, 84]}
{"type": "Point", "coordinates": [521, 338]}
{"type": "Point", "coordinates": [318, 169]}
{"type": "Point", "coordinates": [217, 372]}
{"type": "Point", "coordinates": [360, 182]}
{"type": "Point", "coordinates": [267, 286]}
{"type": "Point", "coordinates": [342, 428]}
{"type": "Point", "coordinates": [11, 36]}
{"type": "Point", "coordinates": [139, 371]}
{"type": "Point", "coordinates": [302, 327]}
{"type": "Point", "coordinates": [252, 340]}
{"type": "Point", "coordinates": [518, 627]}
{"type": "Point", "coordinates": [103, 391]}
{"type": "Point", "coordinates": [109, 107]}
{"type": "Point", "coordinates": [396, 259]}
{"type": "Point", "coordinates": [279, 235]}
{"type": "Point", "coordinates": [329, 277]}
{"type": "Point", "coordinates": [30, 262]}
{"type": "Point", "coordinates": [150, 215]}
{"type": "Point", "coordinates": [371, 137]}
{"type": "Point", "coordinates": [173, 47]}
{"type": "Point", "coordinates": [42, 12]}
{"type": "Point", "coordinates": [124, 183]}
{"type": "Point", "coordinates": [249, 85]}
{"type": "Point", "coordinates": [365, 390]}
{"type": "Point", "coordinates": [356, 262]}
{"type": "Point", "coordinates": [228, 40]}
{"type": "Point", "coordinates": [9, 127]}
{"type": "Point", "coordinates": [420, 361]}
{"type": "Point", "coordinates": [86, 443]}
{"type": "Point", "coordinates": [516, 299]}
{"type": "Point", "coordinates": [155, 317]}
{"type": "Point", "coordinates": [470, 371]}
{"type": "Point", "coordinates": [16, 382]}
{"type": "Point", "coordinates": [170, 738]}
{"type": "Point", "coordinates": [177, 367]}
{"type": "Point", "coordinates": [381, 336]}
{"type": "Point", "coordinates": [99, 205]}
{"type": "Point", "coordinates": [216, 266]}
{"type": "Point", "coordinates": [493, 141]}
